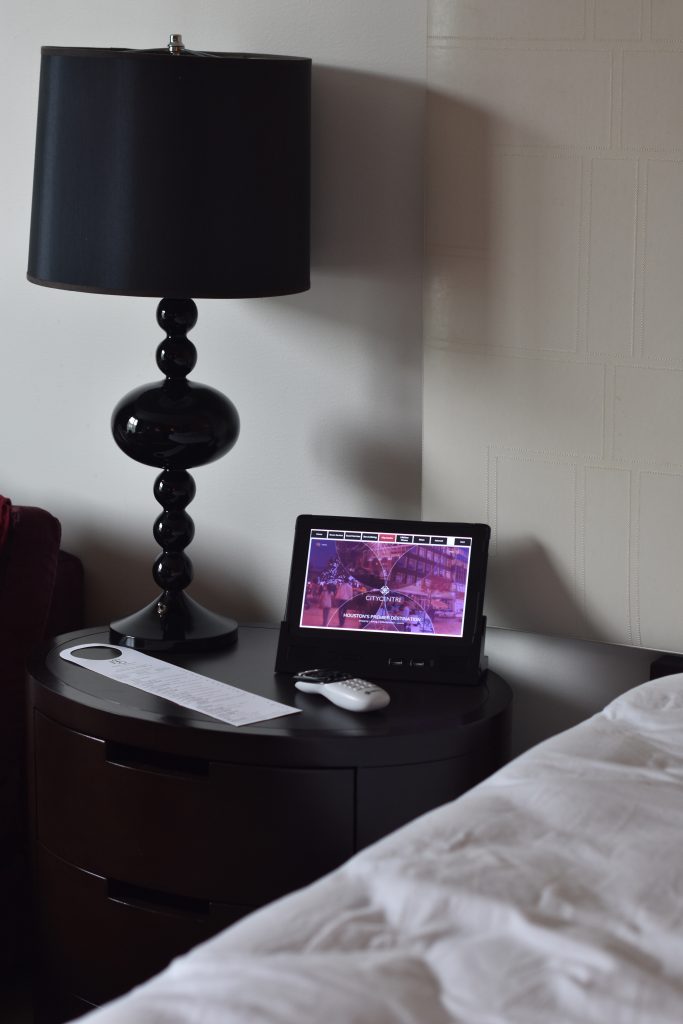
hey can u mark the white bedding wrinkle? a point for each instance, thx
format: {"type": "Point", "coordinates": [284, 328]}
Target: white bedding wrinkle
{"type": "Point", "coordinates": [552, 893]}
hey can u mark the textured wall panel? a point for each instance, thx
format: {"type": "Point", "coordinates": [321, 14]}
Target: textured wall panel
{"type": "Point", "coordinates": [660, 550]}
{"type": "Point", "coordinates": [489, 19]}
{"type": "Point", "coordinates": [618, 19]}
{"type": "Point", "coordinates": [648, 417]}
{"type": "Point", "coordinates": [457, 171]}
{"type": "Point", "coordinates": [521, 289]}
{"type": "Point", "coordinates": [652, 116]}
{"type": "Point", "coordinates": [535, 550]}
{"type": "Point", "coordinates": [533, 246]}
{"type": "Point", "coordinates": [548, 405]}
{"type": "Point", "coordinates": [611, 268]}
{"type": "Point", "coordinates": [456, 286]}
{"type": "Point", "coordinates": [667, 19]}
{"type": "Point", "coordinates": [605, 529]}
{"type": "Point", "coordinates": [512, 87]}
{"type": "Point", "coordinates": [662, 261]}
{"type": "Point", "coordinates": [553, 386]}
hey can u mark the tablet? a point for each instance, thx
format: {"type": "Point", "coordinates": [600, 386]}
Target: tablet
{"type": "Point", "coordinates": [386, 598]}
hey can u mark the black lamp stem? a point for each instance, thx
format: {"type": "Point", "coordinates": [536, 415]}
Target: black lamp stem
{"type": "Point", "coordinates": [174, 424]}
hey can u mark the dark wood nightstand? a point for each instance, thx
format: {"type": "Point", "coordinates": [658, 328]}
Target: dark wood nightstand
{"type": "Point", "coordinates": [154, 827]}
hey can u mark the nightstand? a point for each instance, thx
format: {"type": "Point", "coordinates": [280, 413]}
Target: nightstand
{"type": "Point", "coordinates": [154, 827]}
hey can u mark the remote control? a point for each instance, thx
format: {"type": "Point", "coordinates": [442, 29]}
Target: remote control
{"type": "Point", "coordinates": [345, 691]}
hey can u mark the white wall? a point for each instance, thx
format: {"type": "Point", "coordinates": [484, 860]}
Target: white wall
{"type": "Point", "coordinates": [328, 384]}
{"type": "Point", "coordinates": [553, 358]}
{"type": "Point", "coordinates": [553, 351]}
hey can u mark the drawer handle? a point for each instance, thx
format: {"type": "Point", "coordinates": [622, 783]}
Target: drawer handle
{"type": "Point", "coordinates": [142, 898]}
{"type": "Point", "coordinates": [155, 761]}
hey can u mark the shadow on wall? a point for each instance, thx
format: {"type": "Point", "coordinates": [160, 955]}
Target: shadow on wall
{"type": "Point", "coordinates": [367, 248]}
{"type": "Point", "coordinates": [367, 206]}
{"type": "Point", "coordinates": [367, 252]}
{"type": "Point", "coordinates": [123, 582]}
{"type": "Point", "coordinates": [487, 226]}
{"type": "Point", "coordinates": [498, 259]}
{"type": "Point", "coordinates": [527, 590]}
{"type": "Point", "coordinates": [493, 289]}
{"type": "Point", "coordinates": [459, 195]}
{"type": "Point", "coordinates": [367, 173]}
{"type": "Point", "coordinates": [382, 464]}
{"type": "Point", "coordinates": [367, 244]}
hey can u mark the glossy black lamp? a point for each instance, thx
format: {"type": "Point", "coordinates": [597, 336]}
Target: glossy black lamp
{"type": "Point", "coordinates": [172, 173]}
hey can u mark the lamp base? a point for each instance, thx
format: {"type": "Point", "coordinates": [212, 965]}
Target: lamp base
{"type": "Point", "coordinates": [187, 627]}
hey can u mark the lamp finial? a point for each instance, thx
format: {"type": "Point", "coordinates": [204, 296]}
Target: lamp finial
{"type": "Point", "coordinates": [175, 43]}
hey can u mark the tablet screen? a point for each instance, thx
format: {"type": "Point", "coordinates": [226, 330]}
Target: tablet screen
{"type": "Point", "coordinates": [401, 583]}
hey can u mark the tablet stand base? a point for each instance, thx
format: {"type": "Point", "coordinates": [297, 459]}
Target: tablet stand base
{"type": "Point", "coordinates": [381, 657]}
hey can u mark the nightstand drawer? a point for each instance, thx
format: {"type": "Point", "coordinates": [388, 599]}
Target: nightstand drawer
{"type": "Point", "coordinates": [103, 937]}
{"type": "Point", "coordinates": [205, 829]}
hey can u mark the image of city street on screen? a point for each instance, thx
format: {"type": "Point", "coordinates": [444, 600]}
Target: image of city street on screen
{"type": "Point", "coordinates": [386, 586]}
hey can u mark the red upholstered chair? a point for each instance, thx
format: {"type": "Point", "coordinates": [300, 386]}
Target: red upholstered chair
{"type": "Point", "coordinates": [41, 594]}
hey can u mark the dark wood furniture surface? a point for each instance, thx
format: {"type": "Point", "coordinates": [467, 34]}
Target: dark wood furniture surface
{"type": "Point", "coordinates": [155, 826]}
{"type": "Point", "coordinates": [41, 592]}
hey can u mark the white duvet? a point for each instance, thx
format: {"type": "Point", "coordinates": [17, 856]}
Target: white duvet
{"type": "Point", "coordinates": [551, 893]}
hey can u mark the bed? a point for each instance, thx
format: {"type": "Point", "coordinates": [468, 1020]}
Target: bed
{"type": "Point", "coordinates": [551, 893]}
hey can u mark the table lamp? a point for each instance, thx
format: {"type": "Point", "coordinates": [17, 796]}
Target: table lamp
{"type": "Point", "coordinates": [179, 175]}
